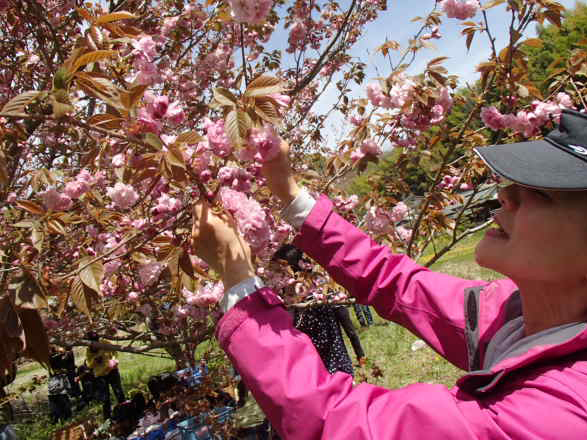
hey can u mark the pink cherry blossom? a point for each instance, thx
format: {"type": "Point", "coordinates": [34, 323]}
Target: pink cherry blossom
{"type": "Point", "coordinates": [237, 178]}
{"type": "Point", "coordinates": [133, 296]}
{"type": "Point", "coordinates": [167, 204]}
{"type": "Point", "coordinates": [378, 220]}
{"type": "Point", "coordinates": [460, 9]}
{"type": "Point", "coordinates": [217, 138]}
{"type": "Point", "coordinates": [492, 118]}
{"type": "Point", "coordinates": [399, 212]}
{"type": "Point", "coordinates": [118, 160]}
{"type": "Point", "coordinates": [149, 273]}
{"type": "Point", "coordinates": [123, 196]}
{"type": "Point", "coordinates": [403, 234]}
{"type": "Point", "coordinates": [76, 188]}
{"type": "Point", "coordinates": [56, 201]}
{"type": "Point", "coordinates": [369, 147]}
{"type": "Point", "coordinates": [250, 217]}
{"type": "Point", "coordinates": [207, 295]}
{"type": "Point", "coordinates": [448, 182]}
{"type": "Point", "coordinates": [282, 100]}
{"type": "Point", "coordinates": [346, 204]}
{"type": "Point", "coordinates": [266, 142]}
{"type": "Point", "coordinates": [250, 11]}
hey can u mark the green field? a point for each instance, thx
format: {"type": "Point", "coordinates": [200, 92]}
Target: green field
{"type": "Point", "coordinates": [387, 346]}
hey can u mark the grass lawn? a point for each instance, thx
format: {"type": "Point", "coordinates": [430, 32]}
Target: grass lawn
{"type": "Point", "coordinates": [387, 346]}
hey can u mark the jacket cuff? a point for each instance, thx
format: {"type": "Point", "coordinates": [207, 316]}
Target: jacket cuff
{"type": "Point", "coordinates": [261, 300]}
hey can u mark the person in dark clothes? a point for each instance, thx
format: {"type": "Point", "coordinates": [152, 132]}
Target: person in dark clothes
{"type": "Point", "coordinates": [322, 323]}
{"type": "Point", "coordinates": [59, 387]}
{"type": "Point", "coordinates": [363, 314]}
{"type": "Point", "coordinates": [68, 359]}
{"type": "Point", "coordinates": [85, 378]}
{"type": "Point", "coordinates": [344, 319]}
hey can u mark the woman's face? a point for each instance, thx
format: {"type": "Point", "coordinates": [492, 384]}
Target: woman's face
{"type": "Point", "coordinates": [539, 236]}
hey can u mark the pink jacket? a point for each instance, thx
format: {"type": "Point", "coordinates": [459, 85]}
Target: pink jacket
{"type": "Point", "coordinates": [539, 392]}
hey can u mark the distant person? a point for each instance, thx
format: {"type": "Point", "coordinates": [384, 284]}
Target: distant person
{"type": "Point", "coordinates": [363, 314]}
{"type": "Point", "coordinates": [86, 380]}
{"type": "Point", "coordinates": [58, 386]}
{"type": "Point", "coordinates": [6, 410]}
{"type": "Point", "coordinates": [104, 366]}
{"type": "Point", "coordinates": [319, 322]}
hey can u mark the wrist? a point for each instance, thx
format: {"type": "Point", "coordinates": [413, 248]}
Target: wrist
{"type": "Point", "coordinates": [235, 274]}
{"type": "Point", "coordinates": [289, 192]}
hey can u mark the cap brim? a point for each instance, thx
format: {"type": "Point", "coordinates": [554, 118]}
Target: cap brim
{"type": "Point", "coordinates": [536, 164]}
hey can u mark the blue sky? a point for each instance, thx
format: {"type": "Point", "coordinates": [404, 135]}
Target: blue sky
{"type": "Point", "coordinates": [395, 24]}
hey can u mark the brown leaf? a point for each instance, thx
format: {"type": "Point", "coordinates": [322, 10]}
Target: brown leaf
{"type": "Point", "coordinates": [16, 105]}
{"type": "Point", "coordinates": [63, 299]}
{"type": "Point", "coordinates": [224, 97]}
{"type": "Point", "coordinates": [27, 292]}
{"type": "Point", "coordinates": [91, 275]}
{"type": "Point", "coordinates": [115, 16]}
{"type": "Point", "coordinates": [37, 342]}
{"type": "Point", "coordinates": [237, 125]}
{"type": "Point", "coordinates": [106, 120]}
{"type": "Point", "coordinates": [266, 110]}
{"type": "Point", "coordinates": [186, 264]}
{"type": "Point", "coordinates": [189, 137]}
{"type": "Point", "coordinates": [31, 207]}
{"type": "Point", "coordinates": [82, 296]}
{"type": "Point", "coordinates": [92, 57]}
{"type": "Point", "coordinates": [85, 14]}
{"type": "Point", "coordinates": [9, 320]}
{"type": "Point", "coordinates": [264, 85]}
{"type": "Point", "coordinates": [533, 42]}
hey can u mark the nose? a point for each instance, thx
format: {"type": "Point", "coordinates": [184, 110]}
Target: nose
{"type": "Point", "coordinates": [508, 197]}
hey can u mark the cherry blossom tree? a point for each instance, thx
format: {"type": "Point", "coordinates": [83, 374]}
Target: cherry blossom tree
{"type": "Point", "coordinates": [117, 116]}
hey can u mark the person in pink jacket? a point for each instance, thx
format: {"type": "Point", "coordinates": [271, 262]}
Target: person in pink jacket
{"type": "Point", "coordinates": [522, 340]}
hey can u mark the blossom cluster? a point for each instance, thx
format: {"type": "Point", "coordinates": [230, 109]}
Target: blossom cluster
{"type": "Point", "coordinates": [157, 110]}
{"type": "Point", "coordinates": [402, 99]}
{"type": "Point", "coordinates": [207, 295]}
{"type": "Point", "coordinates": [382, 221]}
{"type": "Point", "coordinates": [527, 122]}
{"type": "Point", "coordinates": [460, 9]}
{"type": "Point", "coordinates": [123, 195]}
{"type": "Point", "coordinates": [250, 217]}
{"type": "Point", "coordinates": [250, 11]}
{"type": "Point", "coordinates": [74, 189]}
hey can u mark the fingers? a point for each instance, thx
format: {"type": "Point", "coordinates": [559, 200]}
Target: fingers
{"type": "Point", "coordinates": [217, 241]}
{"type": "Point", "coordinates": [279, 176]}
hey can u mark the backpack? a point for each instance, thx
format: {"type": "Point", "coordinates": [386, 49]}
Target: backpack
{"type": "Point", "coordinates": [58, 384]}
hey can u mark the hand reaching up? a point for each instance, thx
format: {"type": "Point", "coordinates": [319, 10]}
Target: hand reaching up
{"type": "Point", "coordinates": [217, 241]}
{"type": "Point", "coordinates": [280, 179]}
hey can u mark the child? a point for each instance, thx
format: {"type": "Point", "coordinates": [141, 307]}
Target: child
{"type": "Point", "coordinates": [522, 339]}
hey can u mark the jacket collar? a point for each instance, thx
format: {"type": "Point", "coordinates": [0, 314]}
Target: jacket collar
{"type": "Point", "coordinates": [551, 344]}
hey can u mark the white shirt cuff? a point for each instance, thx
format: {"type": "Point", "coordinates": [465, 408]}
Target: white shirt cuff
{"type": "Point", "coordinates": [299, 209]}
{"type": "Point", "coordinates": [240, 291]}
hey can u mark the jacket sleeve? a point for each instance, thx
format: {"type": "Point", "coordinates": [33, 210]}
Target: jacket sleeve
{"type": "Point", "coordinates": [302, 400]}
{"type": "Point", "coordinates": [429, 304]}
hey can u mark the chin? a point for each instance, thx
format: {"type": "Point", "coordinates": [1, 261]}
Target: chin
{"type": "Point", "coordinates": [486, 257]}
